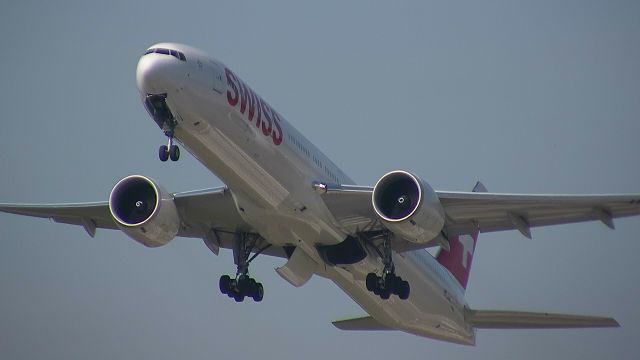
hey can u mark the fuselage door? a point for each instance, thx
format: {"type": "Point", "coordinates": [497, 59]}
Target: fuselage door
{"type": "Point", "coordinates": [218, 76]}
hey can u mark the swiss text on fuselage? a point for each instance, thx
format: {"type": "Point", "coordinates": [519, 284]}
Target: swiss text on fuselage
{"type": "Point", "coordinates": [266, 118]}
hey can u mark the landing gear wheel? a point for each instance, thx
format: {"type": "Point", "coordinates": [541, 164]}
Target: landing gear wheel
{"type": "Point", "coordinates": [169, 151]}
{"type": "Point", "coordinates": [163, 153]}
{"type": "Point", "coordinates": [405, 290]}
{"type": "Point", "coordinates": [389, 283]}
{"type": "Point", "coordinates": [244, 285]}
{"type": "Point", "coordinates": [225, 284]}
{"type": "Point", "coordinates": [376, 291]}
{"type": "Point", "coordinates": [385, 294]}
{"type": "Point", "coordinates": [253, 288]}
{"type": "Point", "coordinates": [258, 293]}
{"type": "Point", "coordinates": [238, 297]}
{"type": "Point", "coordinates": [174, 152]}
{"type": "Point", "coordinates": [371, 281]}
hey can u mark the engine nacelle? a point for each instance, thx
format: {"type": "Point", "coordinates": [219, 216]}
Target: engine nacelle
{"type": "Point", "coordinates": [408, 206]}
{"type": "Point", "coordinates": [144, 211]}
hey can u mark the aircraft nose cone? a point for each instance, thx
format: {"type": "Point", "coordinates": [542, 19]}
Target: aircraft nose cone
{"type": "Point", "coordinates": [157, 73]}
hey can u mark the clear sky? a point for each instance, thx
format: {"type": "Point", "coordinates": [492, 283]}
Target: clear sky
{"type": "Point", "coordinates": [533, 97]}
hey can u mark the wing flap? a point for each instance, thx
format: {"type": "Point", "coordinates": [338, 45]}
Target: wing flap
{"type": "Point", "coordinates": [496, 319]}
{"type": "Point", "coordinates": [204, 210]}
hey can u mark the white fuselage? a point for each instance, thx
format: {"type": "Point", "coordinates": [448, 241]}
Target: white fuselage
{"type": "Point", "coordinates": [270, 168]}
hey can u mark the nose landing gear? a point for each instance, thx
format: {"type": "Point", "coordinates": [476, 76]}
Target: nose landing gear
{"type": "Point", "coordinates": [169, 151]}
{"type": "Point", "coordinates": [157, 107]}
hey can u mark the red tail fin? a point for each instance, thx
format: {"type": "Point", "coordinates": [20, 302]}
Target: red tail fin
{"type": "Point", "coordinates": [458, 259]}
{"type": "Point", "coordinates": [461, 248]}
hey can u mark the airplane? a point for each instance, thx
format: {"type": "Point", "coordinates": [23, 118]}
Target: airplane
{"type": "Point", "coordinates": [284, 198]}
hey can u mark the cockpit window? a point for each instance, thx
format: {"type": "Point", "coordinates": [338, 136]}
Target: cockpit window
{"type": "Point", "coordinates": [175, 53]}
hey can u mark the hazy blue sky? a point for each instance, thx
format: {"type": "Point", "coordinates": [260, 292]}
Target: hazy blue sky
{"type": "Point", "coordinates": [540, 97]}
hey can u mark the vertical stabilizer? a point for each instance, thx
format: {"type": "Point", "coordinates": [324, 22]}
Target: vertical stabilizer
{"type": "Point", "coordinates": [461, 249]}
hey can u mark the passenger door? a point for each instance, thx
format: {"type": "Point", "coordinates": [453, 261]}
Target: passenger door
{"type": "Point", "coordinates": [218, 77]}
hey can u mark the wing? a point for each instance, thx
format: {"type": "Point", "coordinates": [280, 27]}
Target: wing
{"type": "Point", "coordinates": [89, 215]}
{"type": "Point", "coordinates": [496, 212]}
{"type": "Point", "coordinates": [468, 211]}
{"type": "Point", "coordinates": [209, 214]}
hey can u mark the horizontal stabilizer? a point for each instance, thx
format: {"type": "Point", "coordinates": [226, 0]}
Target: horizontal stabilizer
{"type": "Point", "coordinates": [360, 323]}
{"type": "Point", "coordinates": [493, 319]}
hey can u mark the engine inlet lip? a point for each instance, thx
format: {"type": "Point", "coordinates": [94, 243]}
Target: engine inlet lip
{"type": "Point", "coordinates": [384, 178]}
{"type": "Point", "coordinates": [111, 195]}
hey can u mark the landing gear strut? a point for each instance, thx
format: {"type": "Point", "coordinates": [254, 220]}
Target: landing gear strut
{"type": "Point", "coordinates": [389, 283]}
{"type": "Point", "coordinates": [157, 107]}
{"type": "Point", "coordinates": [243, 285]}
{"type": "Point", "coordinates": [169, 151]}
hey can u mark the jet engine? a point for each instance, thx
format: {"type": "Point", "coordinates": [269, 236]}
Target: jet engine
{"type": "Point", "coordinates": [144, 211]}
{"type": "Point", "coordinates": [408, 206]}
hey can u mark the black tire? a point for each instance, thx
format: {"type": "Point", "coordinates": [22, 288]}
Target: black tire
{"type": "Point", "coordinates": [385, 294]}
{"type": "Point", "coordinates": [252, 288]}
{"type": "Point", "coordinates": [258, 293]}
{"type": "Point", "coordinates": [376, 290]}
{"type": "Point", "coordinates": [225, 284]}
{"type": "Point", "coordinates": [231, 293]}
{"type": "Point", "coordinates": [238, 297]}
{"type": "Point", "coordinates": [371, 281]}
{"type": "Point", "coordinates": [174, 153]}
{"type": "Point", "coordinates": [243, 284]}
{"type": "Point", "coordinates": [391, 283]}
{"type": "Point", "coordinates": [405, 290]}
{"type": "Point", "coordinates": [163, 153]}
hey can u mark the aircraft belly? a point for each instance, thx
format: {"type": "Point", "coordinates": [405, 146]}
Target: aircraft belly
{"type": "Point", "coordinates": [223, 142]}
{"type": "Point", "coordinates": [285, 212]}
{"type": "Point", "coordinates": [271, 194]}
{"type": "Point", "coordinates": [429, 311]}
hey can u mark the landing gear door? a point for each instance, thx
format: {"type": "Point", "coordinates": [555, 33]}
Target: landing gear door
{"type": "Point", "coordinates": [218, 76]}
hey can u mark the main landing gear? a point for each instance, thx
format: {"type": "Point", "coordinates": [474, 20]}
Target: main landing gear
{"type": "Point", "coordinates": [389, 283]}
{"type": "Point", "coordinates": [169, 151]}
{"type": "Point", "coordinates": [243, 285]}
